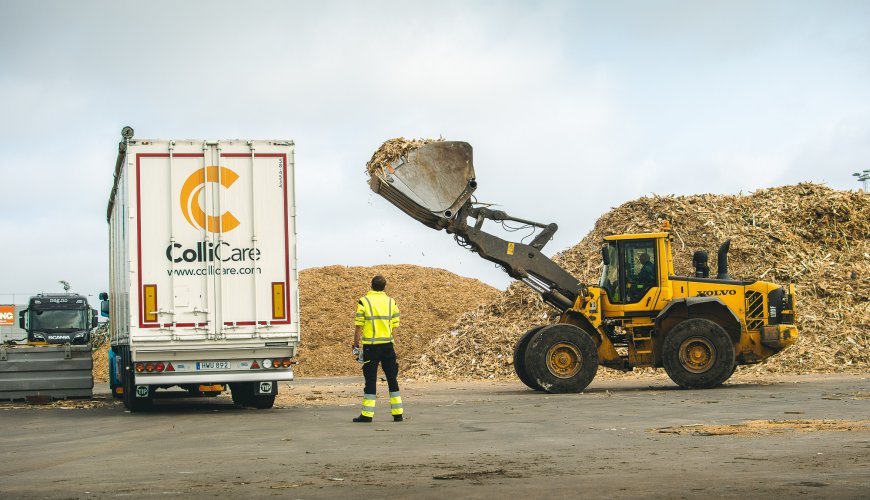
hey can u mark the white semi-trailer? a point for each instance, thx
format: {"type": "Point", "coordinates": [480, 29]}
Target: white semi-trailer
{"type": "Point", "coordinates": [203, 281]}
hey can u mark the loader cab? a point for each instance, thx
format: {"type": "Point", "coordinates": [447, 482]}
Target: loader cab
{"type": "Point", "coordinates": [635, 267]}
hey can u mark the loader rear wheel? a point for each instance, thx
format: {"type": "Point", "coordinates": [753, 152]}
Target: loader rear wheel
{"type": "Point", "coordinates": [698, 354]}
{"type": "Point", "coordinates": [520, 359]}
{"type": "Point", "coordinates": [561, 358]}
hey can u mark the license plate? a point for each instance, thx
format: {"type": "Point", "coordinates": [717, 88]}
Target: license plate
{"type": "Point", "coordinates": [212, 365]}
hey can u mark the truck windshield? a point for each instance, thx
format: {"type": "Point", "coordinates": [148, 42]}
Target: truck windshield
{"type": "Point", "coordinates": [58, 319]}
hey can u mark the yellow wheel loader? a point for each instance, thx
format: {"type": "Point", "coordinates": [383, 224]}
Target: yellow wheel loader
{"type": "Point", "coordinates": [640, 314]}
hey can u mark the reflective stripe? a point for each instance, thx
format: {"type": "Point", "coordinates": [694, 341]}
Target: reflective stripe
{"type": "Point", "coordinates": [377, 340]}
{"type": "Point", "coordinates": [368, 405]}
{"type": "Point", "coordinates": [396, 403]}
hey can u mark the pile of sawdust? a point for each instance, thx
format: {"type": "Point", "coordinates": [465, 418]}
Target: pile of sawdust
{"type": "Point", "coordinates": [766, 427]}
{"type": "Point", "coordinates": [101, 363]}
{"type": "Point", "coordinates": [391, 151]}
{"type": "Point", "coordinates": [430, 300]}
{"type": "Point", "coordinates": [811, 235]}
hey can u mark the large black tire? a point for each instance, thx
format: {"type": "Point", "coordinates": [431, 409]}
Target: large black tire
{"type": "Point", "coordinates": [698, 354]}
{"type": "Point", "coordinates": [520, 359]}
{"type": "Point", "coordinates": [242, 393]}
{"type": "Point", "coordinates": [263, 401]}
{"type": "Point", "coordinates": [131, 401]}
{"type": "Point", "coordinates": [561, 358]}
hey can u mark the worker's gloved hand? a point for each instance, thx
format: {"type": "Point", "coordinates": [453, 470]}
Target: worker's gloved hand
{"type": "Point", "coordinates": [358, 354]}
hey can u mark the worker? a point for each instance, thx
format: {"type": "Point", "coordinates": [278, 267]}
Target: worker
{"type": "Point", "coordinates": [376, 322]}
{"type": "Point", "coordinates": [647, 275]}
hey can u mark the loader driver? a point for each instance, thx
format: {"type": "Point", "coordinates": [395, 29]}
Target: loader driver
{"type": "Point", "coordinates": [646, 276]}
{"type": "Point", "coordinates": [376, 321]}
{"type": "Point", "coordinates": [643, 280]}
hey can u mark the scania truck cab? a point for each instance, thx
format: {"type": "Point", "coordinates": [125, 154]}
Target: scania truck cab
{"type": "Point", "coordinates": [58, 319]}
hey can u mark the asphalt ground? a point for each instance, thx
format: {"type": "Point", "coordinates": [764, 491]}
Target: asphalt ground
{"type": "Point", "coordinates": [618, 439]}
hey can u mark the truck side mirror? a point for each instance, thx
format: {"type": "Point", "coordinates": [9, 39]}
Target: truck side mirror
{"type": "Point", "coordinates": [104, 307]}
{"type": "Point", "coordinates": [21, 319]}
{"type": "Point", "coordinates": [94, 318]}
{"type": "Point", "coordinates": [605, 255]}
{"type": "Point", "coordinates": [104, 296]}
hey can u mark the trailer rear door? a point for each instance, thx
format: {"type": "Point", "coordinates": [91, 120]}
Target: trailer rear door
{"type": "Point", "coordinates": [215, 229]}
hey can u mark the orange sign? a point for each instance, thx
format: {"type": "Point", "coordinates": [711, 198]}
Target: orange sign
{"type": "Point", "coordinates": [7, 315]}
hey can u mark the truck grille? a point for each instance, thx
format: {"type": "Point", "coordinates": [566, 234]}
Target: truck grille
{"type": "Point", "coordinates": [754, 310]}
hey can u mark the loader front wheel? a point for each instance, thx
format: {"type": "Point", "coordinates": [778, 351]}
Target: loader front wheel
{"type": "Point", "coordinates": [520, 359]}
{"type": "Point", "coordinates": [698, 354]}
{"type": "Point", "coordinates": [561, 358]}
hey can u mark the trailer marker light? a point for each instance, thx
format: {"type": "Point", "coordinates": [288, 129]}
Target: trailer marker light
{"type": "Point", "coordinates": [278, 300]}
{"type": "Point", "coordinates": [140, 367]}
{"type": "Point", "coordinates": [285, 362]}
{"type": "Point", "coordinates": [149, 367]}
{"type": "Point", "coordinates": [150, 299]}
{"type": "Point", "coordinates": [267, 363]}
{"type": "Point", "coordinates": [276, 363]}
{"type": "Point", "coordinates": [169, 367]}
{"type": "Point", "coordinates": [255, 365]}
{"type": "Point", "coordinates": [160, 366]}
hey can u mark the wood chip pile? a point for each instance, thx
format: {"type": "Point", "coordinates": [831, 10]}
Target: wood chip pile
{"type": "Point", "coordinates": [430, 300]}
{"type": "Point", "coordinates": [392, 150]}
{"type": "Point", "coordinates": [808, 234]}
{"type": "Point", "coordinates": [101, 363]}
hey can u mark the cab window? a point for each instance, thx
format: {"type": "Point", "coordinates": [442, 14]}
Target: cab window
{"type": "Point", "coordinates": [639, 265]}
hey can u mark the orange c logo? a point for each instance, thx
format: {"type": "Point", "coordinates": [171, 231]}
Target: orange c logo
{"type": "Point", "coordinates": [191, 208]}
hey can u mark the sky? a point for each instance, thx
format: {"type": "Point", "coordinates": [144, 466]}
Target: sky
{"type": "Point", "coordinates": [572, 108]}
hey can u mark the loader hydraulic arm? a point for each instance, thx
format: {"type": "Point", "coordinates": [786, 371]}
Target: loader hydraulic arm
{"type": "Point", "coordinates": [434, 184]}
{"type": "Point", "coordinates": [522, 262]}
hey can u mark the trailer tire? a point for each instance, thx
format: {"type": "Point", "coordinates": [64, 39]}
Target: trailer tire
{"type": "Point", "coordinates": [520, 359]}
{"type": "Point", "coordinates": [131, 401]}
{"type": "Point", "coordinates": [698, 354]}
{"type": "Point", "coordinates": [263, 401]}
{"type": "Point", "coordinates": [561, 358]}
{"type": "Point", "coordinates": [242, 393]}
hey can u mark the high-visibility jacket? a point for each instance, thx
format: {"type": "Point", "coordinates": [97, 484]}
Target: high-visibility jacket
{"type": "Point", "coordinates": [377, 314]}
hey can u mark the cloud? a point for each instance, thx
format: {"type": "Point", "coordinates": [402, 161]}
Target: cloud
{"type": "Point", "coordinates": [572, 108]}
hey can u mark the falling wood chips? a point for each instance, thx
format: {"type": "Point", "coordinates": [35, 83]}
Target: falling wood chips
{"type": "Point", "coordinates": [766, 427]}
{"type": "Point", "coordinates": [391, 151]}
{"type": "Point", "coordinates": [807, 234]}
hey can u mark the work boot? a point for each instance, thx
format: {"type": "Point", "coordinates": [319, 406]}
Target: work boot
{"type": "Point", "coordinates": [398, 418]}
{"type": "Point", "coordinates": [362, 418]}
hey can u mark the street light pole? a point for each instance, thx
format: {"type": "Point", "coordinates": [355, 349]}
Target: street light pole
{"type": "Point", "coordinates": [863, 177]}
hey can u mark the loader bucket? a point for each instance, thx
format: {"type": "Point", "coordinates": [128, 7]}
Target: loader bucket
{"type": "Point", "coordinates": [429, 183]}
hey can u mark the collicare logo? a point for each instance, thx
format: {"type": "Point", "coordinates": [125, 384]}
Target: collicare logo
{"type": "Point", "coordinates": [191, 208]}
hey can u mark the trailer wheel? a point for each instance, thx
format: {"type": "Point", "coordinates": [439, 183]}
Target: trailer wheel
{"type": "Point", "coordinates": [520, 359]}
{"type": "Point", "coordinates": [133, 402]}
{"type": "Point", "coordinates": [561, 358]}
{"type": "Point", "coordinates": [698, 354]}
{"type": "Point", "coordinates": [263, 401]}
{"type": "Point", "coordinates": [242, 393]}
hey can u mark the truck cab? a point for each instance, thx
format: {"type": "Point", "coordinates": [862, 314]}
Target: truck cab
{"type": "Point", "coordinates": [58, 319]}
